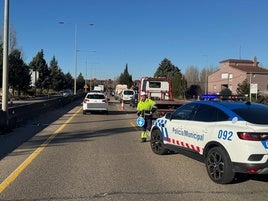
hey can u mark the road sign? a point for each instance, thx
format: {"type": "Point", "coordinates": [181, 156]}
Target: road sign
{"type": "Point", "coordinates": [253, 88]}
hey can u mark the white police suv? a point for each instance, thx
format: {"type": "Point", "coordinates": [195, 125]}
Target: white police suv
{"type": "Point", "coordinates": [232, 137]}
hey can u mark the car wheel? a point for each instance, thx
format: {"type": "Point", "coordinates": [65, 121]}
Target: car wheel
{"type": "Point", "coordinates": [157, 144]}
{"type": "Point", "coordinates": [219, 166]}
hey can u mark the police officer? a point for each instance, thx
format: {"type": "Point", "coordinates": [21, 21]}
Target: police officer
{"type": "Point", "coordinates": [145, 109]}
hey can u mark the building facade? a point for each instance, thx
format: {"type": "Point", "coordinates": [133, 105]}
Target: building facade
{"type": "Point", "coordinates": [234, 71]}
{"type": "Point", "coordinates": [34, 77]}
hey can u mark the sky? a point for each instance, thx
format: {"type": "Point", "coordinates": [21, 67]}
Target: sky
{"type": "Point", "coordinates": [139, 33]}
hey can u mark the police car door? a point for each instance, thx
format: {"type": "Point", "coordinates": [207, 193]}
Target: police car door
{"type": "Point", "coordinates": [178, 127]}
{"type": "Point", "coordinates": [200, 128]}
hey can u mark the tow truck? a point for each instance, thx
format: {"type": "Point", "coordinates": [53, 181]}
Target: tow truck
{"type": "Point", "coordinates": [159, 89]}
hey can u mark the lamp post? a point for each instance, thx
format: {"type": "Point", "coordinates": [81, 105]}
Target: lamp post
{"type": "Point", "coordinates": [5, 60]}
{"type": "Point", "coordinates": [253, 87]}
{"type": "Point", "coordinates": [75, 52]}
{"type": "Point", "coordinates": [206, 74]}
{"type": "Point", "coordinates": [75, 56]}
{"type": "Point", "coordinates": [86, 85]}
{"type": "Point", "coordinates": [86, 63]}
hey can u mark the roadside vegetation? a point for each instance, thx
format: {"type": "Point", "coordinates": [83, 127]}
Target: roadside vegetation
{"type": "Point", "coordinates": [38, 78]}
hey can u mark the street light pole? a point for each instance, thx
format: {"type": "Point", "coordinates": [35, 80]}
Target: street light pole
{"type": "Point", "coordinates": [206, 74]}
{"type": "Point", "coordinates": [5, 60]}
{"type": "Point", "coordinates": [86, 67]}
{"type": "Point", "coordinates": [75, 53]}
{"type": "Point", "coordinates": [250, 77]}
{"type": "Point", "coordinates": [75, 56]}
{"type": "Point", "coordinates": [86, 86]}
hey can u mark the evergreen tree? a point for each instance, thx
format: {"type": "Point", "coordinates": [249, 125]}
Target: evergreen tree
{"type": "Point", "coordinates": [178, 82]}
{"type": "Point", "coordinates": [1, 64]}
{"type": "Point", "coordinates": [226, 92]}
{"type": "Point", "coordinates": [69, 81]}
{"type": "Point", "coordinates": [193, 92]}
{"type": "Point", "coordinates": [166, 69]}
{"type": "Point", "coordinates": [39, 64]}
{"type": "Point", "coordinates": [57, 78]}
{"type": "Point", "coordinates": [125, 78]}
{"type": "Point", "coordinates": [179, 86]}
{"type": "Point", "coordinates": [80, 82]}
{"type": "Point", "coordinates": [19, 74]}
{"type": "Point", "coordinates": [243, 88]}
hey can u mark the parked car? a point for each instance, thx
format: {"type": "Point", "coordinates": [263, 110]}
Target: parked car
{"type": "Point", "coordinates": [126, 95]}
{"type": "Point", "coordinates": [67, 93]}
{"type": "Point", "coordinates": [232, 137]}
{"type": "Point", "coordinates": [95, 102]}
{"type": "Point", "coordinates": [134, 100]}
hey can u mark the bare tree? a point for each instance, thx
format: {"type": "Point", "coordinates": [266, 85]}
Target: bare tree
{"type": "Point", "coordinates": [12, 39]}
{"type": "Point", "coordinates": [205, 72]}
{"type": "Point", "coordinates": [192, 76]}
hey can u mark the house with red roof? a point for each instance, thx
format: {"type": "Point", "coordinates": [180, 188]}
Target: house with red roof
{"type": "Point", "coordinates": [234, 71]}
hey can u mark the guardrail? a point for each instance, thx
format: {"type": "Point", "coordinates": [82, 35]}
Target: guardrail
{"type": "Point", "coordinates": [21, 113]}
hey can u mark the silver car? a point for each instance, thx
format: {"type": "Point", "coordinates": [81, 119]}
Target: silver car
{"type": "Point", "coordinates": [67, 93]}
{"type": "Point", "coordinates": [126, 95]}
{"type": "Point", "coordinates": [95, 102]}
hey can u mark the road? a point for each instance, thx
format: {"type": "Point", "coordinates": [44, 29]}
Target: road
{"type": "Point", "coordinates": [100, 157]}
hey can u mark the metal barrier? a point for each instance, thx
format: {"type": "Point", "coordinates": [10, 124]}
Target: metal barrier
{"type": "Point", "coordinates": [17, 115]}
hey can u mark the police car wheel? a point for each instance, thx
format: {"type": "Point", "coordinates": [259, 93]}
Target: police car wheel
{"type": "Point", "coordinates": [219, 166]}
{"type": "Point", "coordinates": [157, 144]}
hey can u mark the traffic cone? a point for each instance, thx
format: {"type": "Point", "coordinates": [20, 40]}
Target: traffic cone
{"type": "Point", "coordinates": [122, 105]}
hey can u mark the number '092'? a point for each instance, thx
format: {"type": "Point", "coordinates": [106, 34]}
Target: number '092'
{"type": "Point", "coordinates": [225, 135]}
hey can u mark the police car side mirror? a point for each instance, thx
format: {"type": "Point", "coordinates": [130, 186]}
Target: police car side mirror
{"type": "Point", "coordinates": [168, 115]}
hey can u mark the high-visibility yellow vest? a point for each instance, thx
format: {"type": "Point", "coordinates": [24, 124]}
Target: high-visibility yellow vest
{"type": "Point", "coordinates": [147, 104]}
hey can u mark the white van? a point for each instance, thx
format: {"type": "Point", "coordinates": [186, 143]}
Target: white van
{"type": "Point", "coordinates": [126, 95]}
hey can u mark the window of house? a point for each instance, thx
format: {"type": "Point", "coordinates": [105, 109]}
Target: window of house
{"type": "Point", "coordinates": [224, 75]}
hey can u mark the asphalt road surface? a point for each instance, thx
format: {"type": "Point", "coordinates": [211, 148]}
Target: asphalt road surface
{"type": "Point", "coordinates": [71, 156]}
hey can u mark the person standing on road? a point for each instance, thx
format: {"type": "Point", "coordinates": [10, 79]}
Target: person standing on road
{"type": "Point", "coordinates": [145, 109]}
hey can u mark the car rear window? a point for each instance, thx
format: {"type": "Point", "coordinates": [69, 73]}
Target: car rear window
{"type": "Point", "coordinates": [128, 92]}
{"type": "Point", "coordinates": [96, 96]}
{"type": "Point", "coordinates": [253, 115]}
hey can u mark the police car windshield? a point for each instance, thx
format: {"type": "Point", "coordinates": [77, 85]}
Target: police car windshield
{"type": "Point", "coordinates": [253, 115]}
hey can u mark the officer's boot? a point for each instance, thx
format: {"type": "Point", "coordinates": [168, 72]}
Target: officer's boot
{"type": "Point", "coordinates": [143, 136]}
{"type": "Point", "coordinates": [148, 135]}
